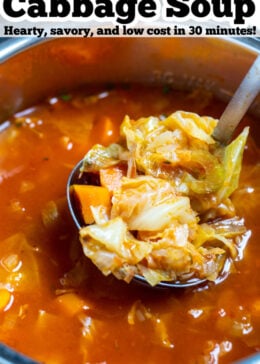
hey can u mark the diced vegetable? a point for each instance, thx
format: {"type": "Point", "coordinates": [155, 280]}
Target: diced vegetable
{"type": "Point", "coordinates": [5, 297]}
{"type": "Point", "coordinates": [140, 314]}
{"type": "Point", "coordinates": [88, 196]}
{"type": "Point", "coordinates": [19, 267]}
{"type": "Point", "coordinates": [70, 303]}
{"type": "Point", "coordinates": [101, 157]}
{"type": "Point", "coordinates": [111, 177]}
{"type": "Point", "coordinates": [50, 214]}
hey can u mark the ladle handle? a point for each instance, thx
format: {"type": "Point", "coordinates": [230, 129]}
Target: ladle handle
{"type": "Point", "coordinates": [239, 104]}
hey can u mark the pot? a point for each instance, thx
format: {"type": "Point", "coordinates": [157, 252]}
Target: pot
{"type": "Point", "coordinates": [31, 70]}
{"type": "Point", "coordinates": [183, 62]}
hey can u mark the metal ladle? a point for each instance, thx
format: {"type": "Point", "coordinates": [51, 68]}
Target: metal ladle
{"type": "Point", "coordinates": [234, 112]}
{"type": "Point", "coordinates": [239, 104]}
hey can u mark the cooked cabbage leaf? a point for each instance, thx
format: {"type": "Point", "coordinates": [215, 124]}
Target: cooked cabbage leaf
{"type": "Point", "coordinates": [151, 204]}
{"type": "Point", "coordinates": [232, 165]}
{"type": "Point", "coordinates": [101, 157]}
{"type": "Point", "coordinates": [171, 216]}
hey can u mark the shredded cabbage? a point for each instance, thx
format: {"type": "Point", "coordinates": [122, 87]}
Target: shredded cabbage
{"type": "Point", "coordinates": [232, 165]}
{"type": "Point", "coordinates": [171, 216]}
{"type": "Point", "coordinates": [101, 157]}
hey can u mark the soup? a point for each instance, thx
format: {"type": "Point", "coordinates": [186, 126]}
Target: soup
{"type": "Point", "coordinates": [56, 307]}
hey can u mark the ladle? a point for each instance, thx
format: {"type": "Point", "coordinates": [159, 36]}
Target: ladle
{"type": "Point", "coordinates": [234, 112]}
{"type": "Point", "coordinates": [239, 104]}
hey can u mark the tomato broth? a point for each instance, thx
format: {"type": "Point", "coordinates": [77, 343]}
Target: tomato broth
{"type": "Point", "coordinates": [55, 306]}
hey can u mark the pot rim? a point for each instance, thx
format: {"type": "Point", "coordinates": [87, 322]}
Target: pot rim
{"type": "Point", "coordinates": [10, 47]}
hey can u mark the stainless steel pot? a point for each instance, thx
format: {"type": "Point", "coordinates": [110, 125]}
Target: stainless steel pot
{"type": "Point", "coordinates": [31, 70]}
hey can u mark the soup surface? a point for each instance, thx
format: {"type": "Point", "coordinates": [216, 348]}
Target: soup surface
{"type": "Point", "coordinates": [55, 306]}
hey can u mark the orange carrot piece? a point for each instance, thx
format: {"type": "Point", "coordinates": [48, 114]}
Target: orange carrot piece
{"type": "Point", "coordinates": [111, 177]}
{"type": "Point", "coordinates": [87, 196]}
{"type": "Point", "coordinates": [5, 297]}
{"type": "Point", "coordinates": [71, 303]}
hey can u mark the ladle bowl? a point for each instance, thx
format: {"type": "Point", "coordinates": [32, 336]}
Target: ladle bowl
{"type": "Point", "coordinates": [76, 177]}
{"type": "Point", "coordinates": [234, 112]}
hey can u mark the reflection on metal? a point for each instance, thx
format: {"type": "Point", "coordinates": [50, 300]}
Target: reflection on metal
{"type": "Point", "coordinates": [12, 46]}
{"type": "Point", "coordinates": [10, 356]}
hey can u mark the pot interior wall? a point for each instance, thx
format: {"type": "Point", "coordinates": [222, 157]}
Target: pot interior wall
{"type": "Point", "coordinates": [60, 65]}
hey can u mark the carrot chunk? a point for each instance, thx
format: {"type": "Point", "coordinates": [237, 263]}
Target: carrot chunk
{"type": "Point", "coordinates": [71, 303]}
{"type": "Point", "coordinates": [5, 297]}
{"type": "Point", "coordinates": [88, 196]}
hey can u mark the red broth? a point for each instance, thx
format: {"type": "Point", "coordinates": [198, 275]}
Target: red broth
{"type": "Point", "coordinates": [55, 306]}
